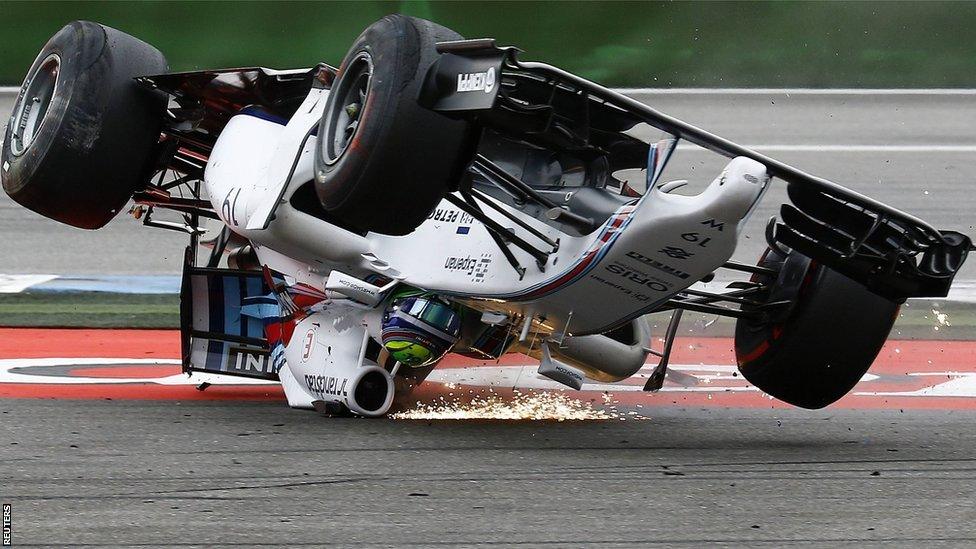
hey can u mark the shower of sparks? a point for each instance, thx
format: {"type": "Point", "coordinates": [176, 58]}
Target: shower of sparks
{"type": "Point", "coordinates": [543, 405]}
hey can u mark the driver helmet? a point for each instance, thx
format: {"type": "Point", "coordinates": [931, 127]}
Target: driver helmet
{"type": "Point", "coordinates": [419, 331]}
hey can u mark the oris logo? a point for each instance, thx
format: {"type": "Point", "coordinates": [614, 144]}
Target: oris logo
{"type": "Point", "coordinates": [477, 81]}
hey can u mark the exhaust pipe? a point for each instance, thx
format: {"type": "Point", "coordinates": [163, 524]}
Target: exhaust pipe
{"type": "Point", "coordinates": [609, 357]}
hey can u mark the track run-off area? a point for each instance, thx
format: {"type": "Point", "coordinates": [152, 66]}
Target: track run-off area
{"type": "Point", "coordinates": [145, 365]}
{"type": "Point", "coordinates": [103, 442]}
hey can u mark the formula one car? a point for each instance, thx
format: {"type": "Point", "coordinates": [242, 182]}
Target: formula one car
{"type": "Point", "coordinates": [434, 194]}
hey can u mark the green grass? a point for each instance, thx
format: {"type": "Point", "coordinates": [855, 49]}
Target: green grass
{"type": "Point", "coordinates": [818, 44]}
{"type": "Point", "coordinates": [101, 310]}
{"type": "Point", "coordinates": [90, 310]}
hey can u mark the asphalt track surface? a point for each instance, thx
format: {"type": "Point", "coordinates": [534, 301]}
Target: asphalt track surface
{"type": "Point", "coordinates": [139, 464]}
{"type": "Point", "coordinates": [915, 151]}
{"type": "Point", "coordinates": [97, 473]}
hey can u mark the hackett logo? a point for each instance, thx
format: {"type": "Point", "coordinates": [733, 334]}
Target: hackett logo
{"type": "Point", "coordinates": [477, 81]}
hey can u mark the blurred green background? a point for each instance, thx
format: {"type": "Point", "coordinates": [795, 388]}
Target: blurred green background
{"type": "Point", "coordinates": [653, 44]}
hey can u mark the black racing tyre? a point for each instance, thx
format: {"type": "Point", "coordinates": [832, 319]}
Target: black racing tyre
{"type": "Point", "coordinates": [383, 162]}
{"type": "Point", "coordinates": [814, 353]}
{"type": "Point", "coordinates": [82, 132]}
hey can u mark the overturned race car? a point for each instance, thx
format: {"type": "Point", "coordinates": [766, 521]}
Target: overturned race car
{"type": "Point", "coordinates": [434, 194]}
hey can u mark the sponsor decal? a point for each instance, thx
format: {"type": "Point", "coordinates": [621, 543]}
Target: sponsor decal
{"type": "Point", "coordinates": [327, 385]}
{"type": "Point", "coordinates": [711, 223]}
{"type": "Point", "coordinates": [242, 359]}
{"type": "Point", "coordinates": [452, 216]}
{"type": "Point", "coordinates": [476, 81]}
{"type": "Point", "coordinates": [481, 269]}
{"type": "Point", "coordinates": [637, 276]}
{"type": "Point", "coordinates": [460, 263]}
{"type": "Point", "coordinates": [638, 296]}
{"type": "Point", "coordinates": [568, 372]}
{"type": "Point", "coordinates": [675, 252]}
{"type": "Point", "coordinates": [474, 267]}
{"type": "Point", "coordinates": [658, 265]}
{"type": "Point", "coordinates": [352, 284]}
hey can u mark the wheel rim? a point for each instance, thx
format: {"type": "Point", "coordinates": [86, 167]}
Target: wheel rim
{"type": "Point", "coordinates": [346, 107]}
{"type": "Point", "coordinates": [32, 110]}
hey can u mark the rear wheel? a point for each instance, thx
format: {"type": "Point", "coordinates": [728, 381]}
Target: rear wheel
{"type": "Point", "coordinates": [82, 132]}
{"type": "Point", "coordinates": [383, 161]}
{"type": "Point", "coordinates": [816, 351]}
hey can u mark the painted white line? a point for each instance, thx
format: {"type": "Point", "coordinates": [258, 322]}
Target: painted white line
{"type": "Point", "coordinates": [526, 377]}
{"type": "Point", "coordinates": [962, 291]}
{"type": "Point", "coordinates": [796, 91]}
{"type": "Point", "coordinates": [963, 385]}
{"type": "Point", "coordinates": [16, 370]}
{"type": "Point", "coordinates": [833, 148]}
{"type": "Point", "coordinates": [14, 284]}
{"type": "Point", "coordinates": [14, 90]}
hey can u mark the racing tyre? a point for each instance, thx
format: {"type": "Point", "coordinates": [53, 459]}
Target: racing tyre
{"type": "Point", "coordinates": [814, 352]}
{"type": "Point", "coordinates": [383, 162]}
{"type": "Point", "coordinates": [82, 132]}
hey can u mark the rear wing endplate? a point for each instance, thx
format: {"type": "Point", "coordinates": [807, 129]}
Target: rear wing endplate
{"type": "Point", "coordinates": [217, 335]}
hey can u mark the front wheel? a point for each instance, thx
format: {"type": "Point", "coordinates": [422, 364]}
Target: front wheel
{"type": "Point", "coordinates": [815, 352]}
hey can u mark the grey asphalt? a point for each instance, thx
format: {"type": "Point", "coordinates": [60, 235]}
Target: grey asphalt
{"type": "Point", "coordinates": [112, 473]}
{"type": "Point", "coordinates": [937, 186]}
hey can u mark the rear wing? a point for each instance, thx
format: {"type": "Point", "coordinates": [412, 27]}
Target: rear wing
{"type": "Point", "coordinates": [220, 326]}
{"type": "Point", "coordinates": [891, 252]}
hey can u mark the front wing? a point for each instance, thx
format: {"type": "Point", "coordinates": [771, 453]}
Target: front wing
{"type": "Point", "coordinates": [891, 252]}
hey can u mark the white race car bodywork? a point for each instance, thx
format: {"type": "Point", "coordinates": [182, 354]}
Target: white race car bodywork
{"type": "Point", "coordinates": [642, 255]}
{"type": "Point", "coordinates": [433, 194]}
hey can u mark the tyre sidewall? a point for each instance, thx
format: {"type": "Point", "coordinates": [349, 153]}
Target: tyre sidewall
{"type": "Point", "coordinates": [403, 157]}
{"type": "Point", "coordinates": [75, 57]}
{"type": "Point", "coordinates": [94, 147]}
{"type": "Point", "coordinates": [824, 347]}
{"type": "Point", "coordinates": [387, 54]}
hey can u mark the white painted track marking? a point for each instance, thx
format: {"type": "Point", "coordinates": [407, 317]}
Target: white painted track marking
{"type": "Point", "coordinates": [962, 291]}
{"type": "Point", "coordinates": [7, 375]}
{"type": "Point", "coordinates": [14, 284]}
{"type": "Point", "coordinates": [961, 385]}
